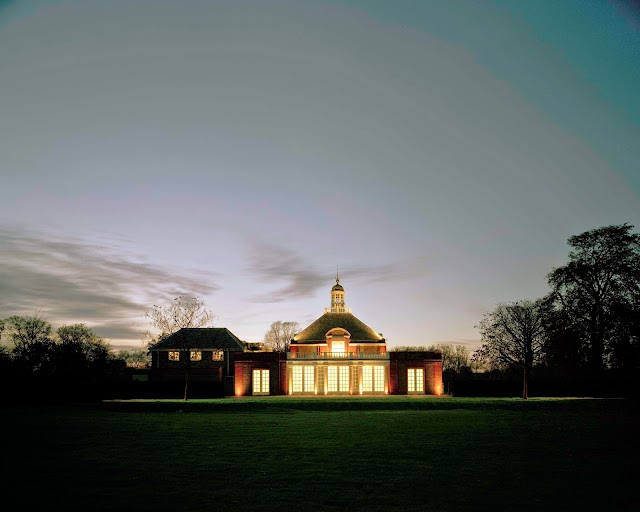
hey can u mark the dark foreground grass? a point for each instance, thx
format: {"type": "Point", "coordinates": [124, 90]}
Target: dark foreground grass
{"type": "Point", "coordinates": [282, 453]}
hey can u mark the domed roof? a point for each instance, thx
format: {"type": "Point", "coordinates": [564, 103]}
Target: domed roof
{"type": "Point", "coordinates": [317, 331]}
{"type": "Point", "coordinates": [337, 287]}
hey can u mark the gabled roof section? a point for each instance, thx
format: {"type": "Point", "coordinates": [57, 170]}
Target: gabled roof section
{"type": "Point", "coordinates": [205, 338]}
{"type": "Point", "coordinates": [316, 332]}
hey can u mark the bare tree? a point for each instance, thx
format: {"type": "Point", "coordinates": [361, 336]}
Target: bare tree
{"type": "Point", "coordinates": [454, 356]}
{"type": "Point", "coordinates": [174, 318]}
{"type": "Point", "coordinates": [279, 335]}
{"type": "Point", "coordinates": [513, 335]}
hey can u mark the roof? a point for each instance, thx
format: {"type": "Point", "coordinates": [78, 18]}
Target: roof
{"type": "Point", "coordinates": [337, 287]}
{"type": "Point", "coordinates": [317, 331]}
{"type": "Point", "coordinates": [202, 338]}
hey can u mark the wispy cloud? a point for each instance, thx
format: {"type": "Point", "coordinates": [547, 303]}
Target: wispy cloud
{"type": "Point", "coordinates": [271, 263]}
{"type": "Point", "coordinates": [71, 280]}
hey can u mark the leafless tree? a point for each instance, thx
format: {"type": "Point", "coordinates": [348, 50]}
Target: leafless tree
{"type": "Point", "coordinates": [513, 334]}
{"type": "Point", "coordinates": [279, 335]}
{"type": "Point", "coordinates": [174, 318]}
{"type": "Point", "coordinates": [454, 356]}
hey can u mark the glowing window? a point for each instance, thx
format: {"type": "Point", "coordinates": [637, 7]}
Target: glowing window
{"type": "Point", "coordinates": [373, 379]}
{"type": "Point", "coordinates": [367, 378]}
{"type": "Point", "coordinates": [337, 346]}
{"type": "Point", "coordinates": [196, 355]}
{"type": "Point", "coordinates": [332, 379]}
{"type": "Point", "coordinates": [174, 356]}
{"type": "Point", "coordinates": [415, 380]}
{"type": "Point", "coordinates": [297, 379]}
{"type": "Point", "coordinates": [343, 382]}
{"type": "Point", "coordinates": [308, 379]}
{"type": "Point", "coordinates": [303, 379]}
{"type": "Point", "coordinates": [338, 379]}
{"type": "Point", "coordinates": [218, 355]}
{"type": "Point", "coordinates": [260, 382]}
{"type": "Point", "coordinates": [378, 378]}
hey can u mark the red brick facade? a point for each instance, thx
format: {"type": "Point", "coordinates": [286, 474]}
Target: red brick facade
{"type": "Point", "coordinates": [400, 363]}
{"type": "Point", "coordinates": [429, 362]}
{"type": "Point", "coordinates": [246, 362]}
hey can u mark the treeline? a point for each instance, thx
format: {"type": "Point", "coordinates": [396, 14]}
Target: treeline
{"type": "Point", "coordinates": [582, 338]}
{"type": "Point", "coordinates": [70, 363]}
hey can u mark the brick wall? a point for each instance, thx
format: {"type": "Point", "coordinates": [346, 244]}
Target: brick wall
{"type": "Point", "coordinates": [400, 362]}
{"type": "Point", "coordinates": [246, 362]}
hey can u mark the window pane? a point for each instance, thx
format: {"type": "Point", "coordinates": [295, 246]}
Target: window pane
{"type": "Point", "coordinates": [265, 381]}
{"type": "Point", "coordinates": [332, 385]}
{"type": "Point", "coordinates": [344, 379]}
{"type": "Point", "coordinates": [420, 380]}
{"type": "Point", "coordinates": [308, 379]}
{"type": "Point", "coordinates": [378, 378]}
{"type": "Point", "coordinates": [256, 382]}
{"type": "Point", "coordinates": [367, 378]}
{"type": "Point", "coordinates": [297, 379]}
{"type": "Point", "coordinates": [411, 380]}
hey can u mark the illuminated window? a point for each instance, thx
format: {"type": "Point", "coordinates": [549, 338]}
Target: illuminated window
{"type": "Point", "coordinates": [378, 378]}
{"type": "Point", "coordinates": [303, 379]}
{"type": "Point", "coordinates": [367, 378]}
{"type": "Point", "coordinates": [196, 355]}
{"type": "Point", "coordinates": [260, 382]}
{"type": "Point", "coordinates": [415, 380]}
{"type": "Point", "coordinates": [174, 356]}
{"type": "Point", "coordinates": [343, 380]}
{"type": "Point", "coordinates": [338, 379]}
{"type": "Point", "coordinates": [297, 379]}
{"type": "Point", "coordinates": [332, 377]}
{"type": "Point", "coordinates": [337, 346]}
{"type": "Point", "coordinates": [308, 379]}
{"type": "Point", "coordinates": [218, 355]}
{"type": "Point", "coordinates": [372, 379]}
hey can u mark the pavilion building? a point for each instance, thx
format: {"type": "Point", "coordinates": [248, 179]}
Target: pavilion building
{"type": "Point", "coordinates": [337, 354]}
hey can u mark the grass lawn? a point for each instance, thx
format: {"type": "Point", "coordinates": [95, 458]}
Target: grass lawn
{"type": "Point", "coordinates": [286, 453]}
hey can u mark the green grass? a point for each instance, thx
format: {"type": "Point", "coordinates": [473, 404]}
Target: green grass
{"type": "Point", "coordinates": [335, 454]}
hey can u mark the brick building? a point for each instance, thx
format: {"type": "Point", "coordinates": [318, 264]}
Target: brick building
{"type": "Point", "coordinates": [337, 354]}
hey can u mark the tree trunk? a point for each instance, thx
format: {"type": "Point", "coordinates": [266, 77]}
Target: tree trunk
{"type": "Point", "coordinates": [525, 381]}
{"type": "Point", "coordinates": [186, 380]}
{"type": "Point", "coordinates": [597, 346]}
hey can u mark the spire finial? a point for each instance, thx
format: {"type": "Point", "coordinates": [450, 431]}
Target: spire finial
{"type": "Point", "coordinates": [337, 275]}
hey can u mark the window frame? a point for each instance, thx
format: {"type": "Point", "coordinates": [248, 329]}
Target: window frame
{"type": "Point", "coordinates": [263, 381]}
{"type": "Point", "coordinates": [303, 379]}
{"type": "Point", "coordinates": [415, 381]}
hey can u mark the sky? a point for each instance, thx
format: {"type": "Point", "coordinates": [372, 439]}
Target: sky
{"type": "Point", "coordinates": [438, 153]}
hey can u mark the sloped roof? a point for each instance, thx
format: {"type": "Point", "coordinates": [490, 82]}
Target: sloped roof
{"type": "Point", "coordinates": [316, 332]}
{"type": "Point", "coordinates": [203, 338]}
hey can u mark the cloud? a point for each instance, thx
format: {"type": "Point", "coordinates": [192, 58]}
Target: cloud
{"type": "Point", "coordinates": [273, 263]}
{"type": "Point", "coordinates": [71, 280]}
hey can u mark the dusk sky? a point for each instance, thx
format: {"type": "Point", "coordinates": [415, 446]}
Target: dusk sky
{"type": "Point", "coordinates": [439, 152]}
